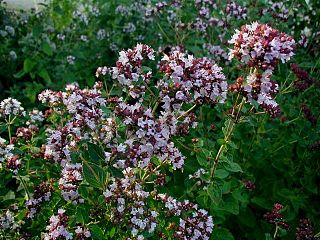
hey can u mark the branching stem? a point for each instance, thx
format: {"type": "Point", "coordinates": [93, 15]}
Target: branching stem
{"type": "Point", "coordinates": [229, 130]}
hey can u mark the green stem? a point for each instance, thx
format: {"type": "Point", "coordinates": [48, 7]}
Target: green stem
{"type": "Point", "coordinates": [188, 148]}
{"type": "Point", "coordinates": [275, 232]}
{"type": "Point", "coordinates": [229, 131]}
{"type": "Point", "coordinates": [155, 107]}
{"type": "Point", "coordinates": [148, 174]}
{"type": "Point", "coordinates": [9, 128]}
{"type": "Point", "coordinates": [163, 32]}
{"type": "Point", "coordinates": [24, 186]}
{"type": "Point", "coordinates": [185, 113]}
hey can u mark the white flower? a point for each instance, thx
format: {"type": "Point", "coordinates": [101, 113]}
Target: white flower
{"type": "Point", "coordinates": [10, 106]}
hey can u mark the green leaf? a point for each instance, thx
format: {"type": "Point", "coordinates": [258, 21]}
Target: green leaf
{"type": "Point", "coordinates": [240, 196]}
{"type": "Point", "coordinates": [83, 191]}
{"type": "Point", "coordinates": [31, 90]}
{"type": "Point", "coordinates": [146, 69]}
{"type": "Point", "coordinates": [106, 110]}
{"type": "Point", "coordinates": [268, 236]}
{"type": "Point", "coordinates": [82, 215]}
{"type": "Point", "coordinates": [222, 234]}
{"type": "Point", "coordinates": [247, 218]}
{"type": "Point", "coordinates": [233, 145]}
{"type": "Point", "coordinates": [255, 104]}
{"type": "Point", "coordinates": [46, 48]}
{"type": "Point", "coordinates": [45, 75]}
{"type": "Point", "coordinates": [221, 173]}
{"type": "Point", "coordinates": [28, 65]}
{"type": "Point", "coordinates": [202, 198]}
{"type": "Point", "coordinates": [19, 74]}
{"type": "Point", "coordinates": [226, 188]}
{"type": "Point", "coordinates": [37, 30]}
{"type": "Point", "coordinates": [57, 9]}
{"type": "Point", "coordinates": [94, 175]}
{"type": "Point", "coordinates": [202, 157]}
{"type": "Point", "coordinates": [21, 214]}
{"type": "Point", "coordinates": [261, 202]}
{"type": "Point", "coordinates": [233, 167]}
{"type": "Point", "coordinates": [221, 141]}
{"type": "Point", "coordinates": [214, 192]}
{"type": "Point", "coordinates": [115, 172]}
{"type": "Point", "coordinates": [95, 153]}
{"type": "Point", "coordinates": [96, 232]}
{"type": "Point", "coordinates": [9, 196]}
{"type": "Point", "coordinates": [308, 3]}
{"type": "Point", "coordinates": [116, 92]}
{"type": "Point", "coordinates": [112, 232]}
{"type": "Point", "coordinates": [231, 205]}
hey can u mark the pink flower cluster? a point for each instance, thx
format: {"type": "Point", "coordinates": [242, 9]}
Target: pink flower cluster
{"type": "Point", "coordinates": [50, 97]}
{"type": "Point", "coordinates": [260, 88]}
{"type": "Point", "coordinates": [155, 10]}
{"type": "Point", "coordinates": [190, 80]}
{"type": "Point", "coordinates": [187, 80]}
{"type": "Point", "coordinates": [128, 70]}
{"type": "Point", "coordinates": [304, 80]}
{"type": "Point", "coordinates": [194, 223]}
{"type": "Point", "coordinates": [68, 183]}
{"type": "Point", "coordinates": [303, 41]}
{"type": "Point", "coordinates": [149, 136]}
{"type": "Point", "coordinates": [82, 233]}
{"type": "Point", "coordinates": [217, 53]}
{"type": "Point", "coordinates": [236, 11]}
{"type": "Point", "coordinates": [84, 108]}
{"type": "Point", "coordinates": [82, 104]}
{"type": "Point", "coordinates": [7, 221]}
{"type": "Point", "coordinates": [41, 193]}
{"type": "Point", "coordinates": [204, 9]}
{"type": "Point", "coordinates": [13, 163]}
{"type": "Point", "coordinates": [57, 228]}
{"type": "Point", "coordinates": [10, 106]}
{"type": "Point", "coordinates": [305, 230]}
{"type": "Point", "coordinates": [199, 226]}
{"type": "Point", "coordinates": [279, 10]}
{"type": "Point", "coordinates": [261, 46]}
{"type": "Point", "coordinates": [61, 142]}
{"type": "Point", "coordinates": [129, 204]}
{"type": "Point", "coordinates": [198, 176]}
{"type": "Point", "coordinates": [275, 217]}
{"type": "Point", "coordinates": [5, 150]}
{"type": "Point", "coordinates": [27, 133]}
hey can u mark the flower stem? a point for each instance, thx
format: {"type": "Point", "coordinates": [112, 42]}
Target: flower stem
{"type": "Point", "coordinates": [24, 186]}
{"type": "Point", "coordinates": [185, 113]}
{"type": "Point", "coordinates": [230, 128]}
{"type": "Point", "coordinates": [9, 129]}
{"type": "Point", "coordinates": [275, 232]}
{"type": "Point", "coordinates": [155, 107]}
